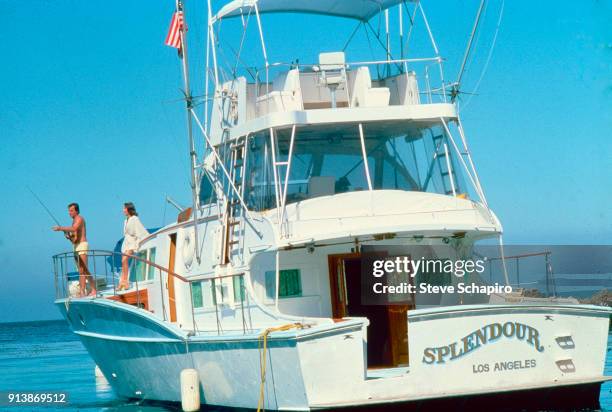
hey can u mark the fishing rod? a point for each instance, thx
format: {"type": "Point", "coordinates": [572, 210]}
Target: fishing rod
{"type": "Point", "coordinates": [43, 205]}
{"type": "Point", "coordinates": [67, 235]}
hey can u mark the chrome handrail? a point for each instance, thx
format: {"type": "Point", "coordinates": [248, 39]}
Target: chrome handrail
{"type": "Point", "coordinates": [62, 272]}
{"type": "Point", "coordinates": [550, 277]}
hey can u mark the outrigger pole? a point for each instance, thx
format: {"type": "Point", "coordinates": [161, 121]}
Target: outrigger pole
{"type": "Point", "coordinates": [457, 84]}
{"type": "Point", "coordinates": [189, 107]}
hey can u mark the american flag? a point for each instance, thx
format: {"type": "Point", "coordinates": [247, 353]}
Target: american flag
{"type": "Point", "coordinates": [173, 39]}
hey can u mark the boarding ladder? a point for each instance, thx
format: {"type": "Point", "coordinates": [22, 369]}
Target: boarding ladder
{"type": "Point", "coordinates": [234, 212]}
{"type": "Point", "coordinates": [444, 165]}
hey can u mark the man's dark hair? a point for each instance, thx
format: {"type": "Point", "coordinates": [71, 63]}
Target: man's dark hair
{"type": "Point", "coordinates": [130, 208]}
{"type": "Point", "coordinates": [76, 207]}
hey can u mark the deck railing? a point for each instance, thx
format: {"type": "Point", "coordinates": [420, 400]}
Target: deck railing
{"type": "Point", "coordinates": [439, 91]}
{"type": "Point", "coordinates": [105, 269]}
{"type": "Point", "coordinates": [516, 259]}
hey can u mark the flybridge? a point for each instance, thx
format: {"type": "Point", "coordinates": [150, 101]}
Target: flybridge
{"type": "Point", "coordinates": [390, 120]}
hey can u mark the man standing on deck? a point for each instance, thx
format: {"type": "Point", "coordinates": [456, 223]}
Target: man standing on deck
{"type": "Point", "coordinates": [77, 234]}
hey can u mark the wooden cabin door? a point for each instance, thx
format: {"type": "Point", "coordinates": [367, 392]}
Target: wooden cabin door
{"type": "Point", "coordinates": [398, 333]}
{"type": "Point", "coordinates": [171, 290]}
{"type": "Point", "coordinates": [388, 329]}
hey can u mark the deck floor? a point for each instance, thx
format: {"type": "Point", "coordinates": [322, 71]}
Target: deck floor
{"type": "Point", "coordinates": [387, 372]}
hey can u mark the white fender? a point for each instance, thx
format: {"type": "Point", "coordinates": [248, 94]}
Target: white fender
{"type": "Point", "coordinates": [190, 390]}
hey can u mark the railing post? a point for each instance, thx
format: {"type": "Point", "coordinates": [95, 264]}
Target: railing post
{"type": "Point", "coordinates": [55, 277]}
{"type": "Point", "coordinates": [242, 294]}
{"type": "Point", "coordinates": [161, 290]}
{"type": "Point", "coordinates": [365, 156]}
{"type": "Point", "coordinates": [214, 289]}
{"type": "Point", "coordinates": [64, 279]}
{"type": "Point", "coordinates": [106, 271]}
{"type": "Point", "coordinates": [137, 290]}
{"type": "Point", "coordinates": [192, 307]}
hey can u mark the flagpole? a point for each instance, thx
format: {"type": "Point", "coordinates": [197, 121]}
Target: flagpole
{"type": "Point", "coordinates": [189, 105]}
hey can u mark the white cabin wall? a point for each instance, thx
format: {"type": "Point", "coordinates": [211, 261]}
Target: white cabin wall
{"type": "Point", "coordinates": [161, 245]}
{"type": "Point", "coordinates": [185, 252]}
{"type": "Point", "coordinates": [315, 300]}
{"type": "Point", "coordinates": [251, 101]}
{"type": "Point", "coordinates": [182, 295]}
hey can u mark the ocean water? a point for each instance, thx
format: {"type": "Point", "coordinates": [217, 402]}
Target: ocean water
{"type": "Point", "coordinates": [47, 356]}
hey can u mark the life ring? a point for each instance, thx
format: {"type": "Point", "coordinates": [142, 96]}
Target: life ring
{"type": "Point", "coordinates": [188, 247]}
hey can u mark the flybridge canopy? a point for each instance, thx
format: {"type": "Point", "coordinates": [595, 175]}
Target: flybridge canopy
{"type": "Point", "coordinates": [355, 9]}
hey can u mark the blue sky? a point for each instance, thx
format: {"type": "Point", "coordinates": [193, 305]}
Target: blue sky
{"type": "Point", "coordinates": [90, 112]}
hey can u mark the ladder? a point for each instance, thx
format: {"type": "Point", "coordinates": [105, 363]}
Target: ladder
{"type": "Point", "coordinates": [234, 212]}
{"type": "Point", "coordinates": [444, 164]}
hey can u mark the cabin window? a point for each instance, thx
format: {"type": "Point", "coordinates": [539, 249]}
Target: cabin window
{"type": "Point", "coordinates": [151, 258]}
{"type": "Point", "coordinates": [329, 160]}
{"type": "Point", "coordinates": [238, 288]}
{"type": "Point", "coordinates": [140, 270]}
{"type": "Point", "coordinates": [137, 271]}
{"type": "Point", "coordinates": [207, 192]}
{"type": "Point", "coordinates": [202, 294]}
{"type": "Point", "coordinates": [290, 284]}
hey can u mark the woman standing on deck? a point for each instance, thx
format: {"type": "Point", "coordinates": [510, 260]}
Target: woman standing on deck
{"type": "Point", "coordinates": [133, 233]}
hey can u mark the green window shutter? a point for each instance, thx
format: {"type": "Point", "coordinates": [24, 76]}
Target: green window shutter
{"type": "Point", "coordinates": [196, 294]}
{"type": "Point", "coordinates": [290, 284]}
{"type": "Point", "coordinates": [238, 288]}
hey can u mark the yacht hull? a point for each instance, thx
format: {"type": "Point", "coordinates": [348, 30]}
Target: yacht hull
{"type": "Point", "coordinates": [324, 367]}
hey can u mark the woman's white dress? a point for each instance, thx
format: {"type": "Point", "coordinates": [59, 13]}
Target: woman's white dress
{"type": "Point", "coordinates": [133, 233]}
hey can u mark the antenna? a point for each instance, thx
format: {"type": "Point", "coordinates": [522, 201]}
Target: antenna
{"type": "Point", "coordinates": [455, 86]}
{"type": "Point", "coordinates": [189, 107]}
{"type": "Point", "coordinates": [174, 203]}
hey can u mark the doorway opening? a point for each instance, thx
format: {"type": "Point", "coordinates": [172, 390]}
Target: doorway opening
{"type": "Point", "coordinates": [387, 333]}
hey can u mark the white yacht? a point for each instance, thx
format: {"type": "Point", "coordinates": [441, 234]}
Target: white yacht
{"type": "Point", "coordinates": [297, 168]}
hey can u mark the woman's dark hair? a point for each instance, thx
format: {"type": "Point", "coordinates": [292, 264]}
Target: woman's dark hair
{"type": "Point", "coordinates": [130, 208]}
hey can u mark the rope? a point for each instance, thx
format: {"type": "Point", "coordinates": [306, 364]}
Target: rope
{"type": "Point", "coordinates": [263, 346]}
